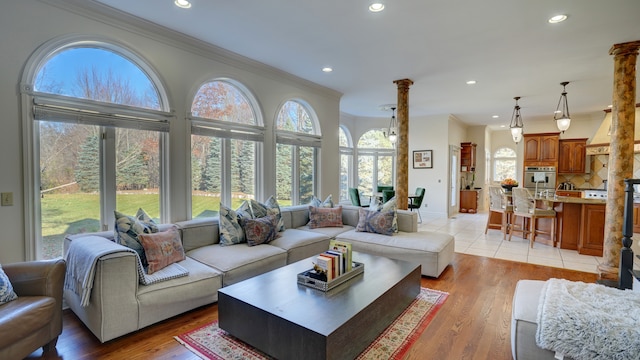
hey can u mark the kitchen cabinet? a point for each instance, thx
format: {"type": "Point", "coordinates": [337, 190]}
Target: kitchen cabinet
{"type": "Point", "coordinates": [541, 149]}
{"type": "Point", "coordinates": [467, 156]}
{"type": "Point", "coordinates": [592, 230]}
{"type": "Point", "coordinates": [469, 201]}
{"type": "Point", "coordinates": [636, 218]}
{"type": "Point", "coordinates": [569, 193]}
{"type": "Point", "coordinates": [572, 156]}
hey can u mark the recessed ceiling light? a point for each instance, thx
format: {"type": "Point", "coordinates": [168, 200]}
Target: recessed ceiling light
{"type": "Point", "coordinates": [327, 69]}
{"type": "Point", "coordinates": [376, 7]}
{"type": "Point", "coordinates": [557, 112]}
{"type": "Point", "coordinates": [610, 106]}
{"type": "Point", "coordinates": [503, 125]}
{"type": "Point", "coordinates": [471, 82]}
{"type": "Point", "coordinates": [495, 116]}
{"type": "Point", "coordinates": [558, 18]}
{"type": "Point", "coordinates": [182, 4]}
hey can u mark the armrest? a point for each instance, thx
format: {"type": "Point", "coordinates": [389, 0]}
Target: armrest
{"type": "Point", "coordinates": [37, 278]}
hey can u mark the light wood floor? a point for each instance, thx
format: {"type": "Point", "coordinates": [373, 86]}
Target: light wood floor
{"type": "Point", "coordinates": [474, 322]}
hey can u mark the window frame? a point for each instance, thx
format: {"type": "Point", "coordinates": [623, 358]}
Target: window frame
{"type": "Point", "coordinates": [376, 153]}
{"type": "Point", "coordinates": [496, 159]}
{"type": "Point", "coordinates": [35, 104]}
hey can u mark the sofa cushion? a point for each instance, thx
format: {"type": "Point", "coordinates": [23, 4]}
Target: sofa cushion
{"type": "Point", "coordinates": [300, 244]}
{"type": "Point", "coordinates": [162, 249]}
{"type": "Point", "coordinates": [328, 202]}
{"type": "Point", "coordinates": [379, 222]}
{"type": "Point", "coordinates": [330, 232]}
{"type": "Point", "coordinates": [261, 230]}
{"type": "Point", "coordinates": [22, 317]}
{"type": "Point", "coordinates": [320, 217]}
{"type": "Point", "coordinates": [270, 207]}
{"type": "Point", "coordinates": [128, 228]}
{"type": "Point", "coordinates": [6, 289]}
{"type": "Point", "coordinates": [231, 231]}
{"type": "Point", "coordinates": [240, 262]}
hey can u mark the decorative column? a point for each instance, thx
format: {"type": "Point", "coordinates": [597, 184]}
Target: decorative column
{"type": "Point", "coordinates": [402, 144]}
{"type": "Point", "coordinates": [621, 154]}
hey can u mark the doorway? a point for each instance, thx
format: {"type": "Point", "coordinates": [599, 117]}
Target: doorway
{"type": "Point", "coordinates": [454, 180]}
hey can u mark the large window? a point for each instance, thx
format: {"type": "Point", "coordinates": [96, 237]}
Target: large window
{"type": "Point", "coordinates": [346, 162]}
{"type": "Point", "coordinates": [376, 161]}
{"type": "Point", "coordinates": [225, 142]}
{"type": "Point", "coordinates": [504, 164]}
{"type": "Point", "coordinates": [98, 125]}
{"type": "Point", "coordinates": [297, 150]}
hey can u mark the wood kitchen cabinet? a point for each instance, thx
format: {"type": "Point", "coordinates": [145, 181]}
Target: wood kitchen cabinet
{"type": "Point", "coordinates": [541, 149]}
{"type": "Point", "coordinates": [636, 218]}
{"type": "Point", "coordinates": [467, 156]}
{"type": "Point", "coordinates": [469, 201]}
{"type": "Point", "coordinates": [572, 156]}
{"type": "Point", "coordinates": [592, 230]}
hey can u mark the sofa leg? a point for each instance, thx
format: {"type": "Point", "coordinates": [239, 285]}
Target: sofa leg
{"type": "Point", "coordinates": [50, 345]}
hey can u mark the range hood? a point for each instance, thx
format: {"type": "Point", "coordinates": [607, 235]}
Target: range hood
{"type": "Point", "coordinates": [600, 142]}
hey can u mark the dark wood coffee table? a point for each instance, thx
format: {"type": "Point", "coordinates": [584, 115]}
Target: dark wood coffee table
{"type": "Point", "coordinates": [287, 320]}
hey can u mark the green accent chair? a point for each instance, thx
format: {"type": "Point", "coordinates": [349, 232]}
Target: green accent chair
{"type": "Point", "coordinates": [387, 195]}
{"type": "Point", "coordinates": [416, 202]}
{"type": "Point", "coordinates": [354, 196]}
{"type": "Point", "coordinates": [382, 188]}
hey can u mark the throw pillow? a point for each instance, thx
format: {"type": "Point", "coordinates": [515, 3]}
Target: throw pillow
{"type": "Point", "coordinates": [261, 230]}
{"type": "Point", "coordinates": [162, 249]}
{"type": "Point", "coordinates": [230, 229]}
{"type": "Point", "coordinates": [270, 207]}
{"type": "Point", "coordinates": [6, 289]}
{"type": "Point", "coordinates": [391, 205]}
{"type": "Point", "coordinates": [128, 228]}
{"type": "Point", "coordinates": [379, 222]}
{"type": "Point", "coordinates": [325, 217]}
{"type": "Point", "coordinates": [327, 203]}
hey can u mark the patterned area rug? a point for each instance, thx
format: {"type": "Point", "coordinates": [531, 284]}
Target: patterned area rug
{"type": "Point", "coordinates": [210, 342]}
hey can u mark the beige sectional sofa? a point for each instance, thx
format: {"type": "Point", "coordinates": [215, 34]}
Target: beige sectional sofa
{"type": "Point", "coordinates": [119, 304]}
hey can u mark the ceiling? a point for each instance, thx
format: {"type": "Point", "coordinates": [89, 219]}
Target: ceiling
{"type": "Point", "coordinates": [507, 46]}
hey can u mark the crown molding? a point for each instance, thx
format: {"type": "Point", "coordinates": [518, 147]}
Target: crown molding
{"type": "Point", "coordinates": [94, 10]}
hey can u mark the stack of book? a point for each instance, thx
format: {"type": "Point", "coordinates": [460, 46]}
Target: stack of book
{"type": "Point", "coordinates": [336, 261]}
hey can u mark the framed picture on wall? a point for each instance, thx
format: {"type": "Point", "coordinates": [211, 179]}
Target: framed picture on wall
{"type": "Point", "coordinates": [423, 159]}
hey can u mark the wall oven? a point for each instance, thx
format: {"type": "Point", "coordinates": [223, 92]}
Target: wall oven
{"type": "Point", "coordinates": [540, 177]}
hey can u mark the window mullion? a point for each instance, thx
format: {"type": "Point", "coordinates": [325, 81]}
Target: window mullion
{"type": "Point", "coordinates": [107, 177]}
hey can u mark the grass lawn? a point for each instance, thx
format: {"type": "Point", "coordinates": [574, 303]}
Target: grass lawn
{"type": "Point", "coordinates": [64, 214]}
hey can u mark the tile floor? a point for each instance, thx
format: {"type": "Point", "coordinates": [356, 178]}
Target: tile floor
{"type": "Point", "coordinates": [468, 230]}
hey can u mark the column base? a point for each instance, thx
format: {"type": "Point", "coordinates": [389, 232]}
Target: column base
{"type": "Point", "coordinates": [607, 272]}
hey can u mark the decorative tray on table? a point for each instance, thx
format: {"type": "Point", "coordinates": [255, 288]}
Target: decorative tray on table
{"type": "Point", "coordinates": [319, 281]}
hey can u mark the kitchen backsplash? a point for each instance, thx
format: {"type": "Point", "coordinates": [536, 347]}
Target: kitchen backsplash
{"type": "Point", "coordinates": [599, 170]}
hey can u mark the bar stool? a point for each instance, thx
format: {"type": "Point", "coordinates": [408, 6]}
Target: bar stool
{"type": "Point", "coordinates": [498, 204]}
{"type": "Point", "coordinates": [524, 205]}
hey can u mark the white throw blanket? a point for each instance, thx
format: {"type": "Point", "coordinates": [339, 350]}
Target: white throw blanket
{"type": "Point", "coordinates": [83, 256]}
{"type": "Point", "coordinates": [589, 321]}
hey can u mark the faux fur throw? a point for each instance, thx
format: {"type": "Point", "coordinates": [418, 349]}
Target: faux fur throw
{"type": "Point", "coordinates": [589, 321]}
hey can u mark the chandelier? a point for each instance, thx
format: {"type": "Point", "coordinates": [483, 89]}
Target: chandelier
{"type": "Point", "coordinates": [516, 123]}
{"type": "Point", "coordinates": [562, 118]}
{"type": "Point", "coordinates": [393, 127]}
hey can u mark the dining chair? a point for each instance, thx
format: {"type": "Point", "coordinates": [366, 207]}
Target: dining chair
{"type": "Point", "coordinates": [498, 204]}
{"type": "Point", "coordinates": [524, 205]}
{"type": "Point", "coordinates": [354, 196]}
{"type": "Point", "coordinates": [416, 201]}
{"type": "Point", "coordinates": [387, 195]}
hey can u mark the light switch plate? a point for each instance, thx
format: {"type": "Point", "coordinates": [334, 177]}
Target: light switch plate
{"type": "Point", "coordinates": [7, 199]}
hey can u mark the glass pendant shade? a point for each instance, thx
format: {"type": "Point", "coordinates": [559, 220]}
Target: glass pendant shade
{"type": "Point", "coordinates": [393, 127]}
{"type": "Point", "coordinates": [562, 117]}
{"type": "Point", "coordinates": [516, 125]}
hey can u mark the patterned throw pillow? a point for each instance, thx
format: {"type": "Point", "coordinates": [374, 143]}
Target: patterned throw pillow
{"type": "Point", "coordinates": [320, 217]}
{"type": "Point", "coordinates": [391, 205]}
{"type": "Point", "coordinates": [6, 289]}
{"type": "Point", "coordinates": [261, 230]}
{"type": "Point", "coordinates": [230, 229]}
{"type": "Point", "coordinates": [162, 249]}
{"type": "Point", "coordinates": [327, 203]}
{"type": "Point", "coordinates": [128, 228]}
{"type": "Point", "coordinates": [379, 222]}
{"type": "Point", "coordinates": [270, 207]}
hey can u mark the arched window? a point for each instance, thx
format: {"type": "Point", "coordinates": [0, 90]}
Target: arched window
{"type": "Point", "coordinates": [376, 161]}
{"type": "Point", "coordinates": [97, 128]}
{"type": "Point", "coordinates": [297, 149]}
{"type": "Point", "coordinates": [226, 139]}
{"type": "Point", "coordinates": [504, 164]}
{"type": "Point", "coordinates": [346, 162]}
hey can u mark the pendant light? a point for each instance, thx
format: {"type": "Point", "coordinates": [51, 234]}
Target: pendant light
{"type": "Point", "coordinates": [562, 118]}
{"type": "Point", "coordinates": [393, 127]}
{"type": "Point", "coordinates": [516, 123]}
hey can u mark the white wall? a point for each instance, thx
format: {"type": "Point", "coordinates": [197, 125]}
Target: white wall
{"type": "Point", "coordinates": [182, 64]}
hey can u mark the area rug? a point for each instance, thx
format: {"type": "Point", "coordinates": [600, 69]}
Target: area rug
{"type": "Point", "coordinates": [210, 342]}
